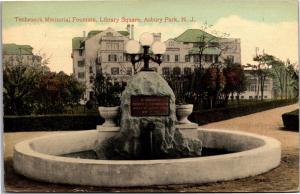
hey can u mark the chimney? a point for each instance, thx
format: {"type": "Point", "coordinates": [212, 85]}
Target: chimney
{"type": "Point", "coordinates": [83, 34]}
{"type": "Point", "coordinates": [128, 28]}
{"type": "Point", "coordinates": [131, 33]}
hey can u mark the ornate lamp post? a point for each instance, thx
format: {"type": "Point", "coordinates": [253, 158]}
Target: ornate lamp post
{"type": "Point", "coordinates": [133, 48]}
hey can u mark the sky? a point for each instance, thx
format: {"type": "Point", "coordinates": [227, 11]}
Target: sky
{"type": "Point", "coordinates": [270, 25]}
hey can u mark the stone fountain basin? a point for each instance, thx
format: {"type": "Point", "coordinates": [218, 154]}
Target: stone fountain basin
{"type": "Point", "coordinates": [39, 159]}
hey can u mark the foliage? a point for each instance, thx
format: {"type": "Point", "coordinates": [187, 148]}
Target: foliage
{"type": "Point", "coordinates": [53, 122]}
{"type": "Point", "coordinates": [31, 89]}
{"type": "Point", "coordinates": [19, 82]}
{"type": "Point", "coordinates": [236, 81]}
{"type": "Point", "coordinates": [107, 93]}
{"type": "Point", "coordinates": [214, 83]}
{"type": "Point", "coordinates": [55, 91]}
{"type": "Point", "coordinates": [262, 70]}
{"type": "Point", "coordinates": [180, 85]}
{"type": "Point", "coordinates": [291, 120]}
{"type": "Point", "coordinates": [218, 114]}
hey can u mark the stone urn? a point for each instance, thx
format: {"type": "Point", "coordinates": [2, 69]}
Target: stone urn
{"type": "Point", "coordinates": [182, 112]}
{"type": "Point", "coordinates": [109, 114]}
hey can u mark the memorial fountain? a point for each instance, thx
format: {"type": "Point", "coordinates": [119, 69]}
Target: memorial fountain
{"type": "Point", "coordinates": [150, 147]}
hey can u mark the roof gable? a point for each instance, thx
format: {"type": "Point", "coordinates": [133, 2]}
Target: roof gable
{"type": "Point", "coordinates": [14, 49]}
{"type": "Point", "coordinates": [196, 35]}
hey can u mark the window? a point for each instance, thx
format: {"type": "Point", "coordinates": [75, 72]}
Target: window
{"type": "Point", "coordinates": [265, 87]}
{"type": "Point", "coordinates": [91, 79]}
{"type": "Point", "coordinates": [242, 97]}
{"type": "Point", "coordinates": [109, 34]}
{"type": "Point", "coordinates": [187, 71]}
{"type": "Point", "coordinates": [167, 58]}
{"type": "Point", "coordinates": [214, 44]}
{"type": "Point", "coordinates": [91, 69]}
{"type": "Point", "coordinates": [115, 70]}
{"type": "Point", "coordinates": [80, 63]}
{"type": "Point", "coordinates": [265, 96]}
{"type": "Point", "coordinates": [216, 57]}
{"type": "Point", "coordinates": [176, 71]}
{"type": "Point", "coordinates": [81, 75]}
{"type": "Point", "coordinates": [112, 46]}
{"type": "Point", "coordinates": [176, 58]}
{"type": "Point", "coordinates": [187, 58]}
{"type": "Point", "coordinates": [166, 71]}
{"type": "Point", "coordinates": [128, 58]}
{"type": "Point", "coordinates": [250, 97]}
{"type": "Point", "coordinates": [129, 71]}
{"type": "Point", "coordinates": [91, 95]}
{"type": "Point", "coordinates": [196, 58]}
{"type": "Point", "coordinates": [230, 58]}
{"type": "Point", "coordinates": [112, 58]}
{"type": "Point", "coordinates": [80, 52]}
{"type": "Point", "coordinates": [208, 58]}
{"type": "Point", "coordinates": [252, 87]}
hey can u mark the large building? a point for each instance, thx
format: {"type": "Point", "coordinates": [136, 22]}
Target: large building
{"type": "Point", "coordinates": [14, 54]}
{"type": "Point", "coordinates": [106, 49]}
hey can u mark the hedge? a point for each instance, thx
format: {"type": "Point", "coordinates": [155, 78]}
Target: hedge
{"type": "Point", "coordinates": [69, 122]}
{"type": "Point", "coordinates": [214, 115]}
{"type": "Point", "coordinates": [52, 122]}
{"type": "Point", "coordinates": [291, 120]}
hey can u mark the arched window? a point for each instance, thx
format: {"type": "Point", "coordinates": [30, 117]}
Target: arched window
{"type": "Point", "coordinates": [176, 71]}
{"type": "Point", "coordinates": [187, 71]}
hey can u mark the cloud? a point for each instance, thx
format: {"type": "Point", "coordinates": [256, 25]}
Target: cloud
{"type": "Point", "coordinates": [279, 39]}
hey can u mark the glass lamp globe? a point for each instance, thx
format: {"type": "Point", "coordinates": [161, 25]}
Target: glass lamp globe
{"type": "Point", "coordinates": [132, 47]}
{"type": "Point", "coordinates": [146, 39]}
{"type": "Point", "coordinates": [158, 47]}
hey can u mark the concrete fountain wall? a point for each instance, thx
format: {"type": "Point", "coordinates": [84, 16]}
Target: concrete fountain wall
{"type": "Point", "coordinates": [38, 159]}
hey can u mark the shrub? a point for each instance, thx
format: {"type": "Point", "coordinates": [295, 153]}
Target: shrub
{"type": "Point", "coordinates": [56, 122]}
{"type": "Point", "coordinates": [219, 114]}
{"type": "Point", "coordinates": [291, 120]}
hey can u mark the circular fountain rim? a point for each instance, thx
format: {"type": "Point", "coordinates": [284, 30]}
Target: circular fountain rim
{"type": "Point", "coordinates": [23, 151]}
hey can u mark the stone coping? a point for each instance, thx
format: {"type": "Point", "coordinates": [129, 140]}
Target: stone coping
{"type": "Point", "coordinates": [37, 159]}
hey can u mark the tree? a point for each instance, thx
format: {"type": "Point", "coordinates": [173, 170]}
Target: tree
{"type": "Point", "coordinates": [262, 70]}
{"type": "Point", "coordinates": [213, 81]}
{"type": "Point", "coordinates": [294, 80]}
{"type": "Point", "coordinates": [206, 41]}
{"type": "Point", "coordinates": [19, 82]}
{"type": "Point", "coordinates": [56, 91]}
{"type": "Point", "coordinates": [107, 93]}
{"type": "Point", "coordinates": [236, 81]}
{"type": "Point", "coordinates": [279, 75]}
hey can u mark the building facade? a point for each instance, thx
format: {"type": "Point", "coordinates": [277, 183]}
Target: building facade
{"type": "Point", "coordinates": [105, 50]}
{"type": "Point", "coordinates": [14, 54]}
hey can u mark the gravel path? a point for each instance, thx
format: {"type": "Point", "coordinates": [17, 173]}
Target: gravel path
{"type": "Point", "coordinates": [269, 123]}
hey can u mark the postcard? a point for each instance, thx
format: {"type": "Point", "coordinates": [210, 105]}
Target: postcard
{"type": "Point", "coordinates": [150, 96]}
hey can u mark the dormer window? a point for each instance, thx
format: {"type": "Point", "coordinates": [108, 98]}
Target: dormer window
{"type": "Point", "coordinates": [109, 34]}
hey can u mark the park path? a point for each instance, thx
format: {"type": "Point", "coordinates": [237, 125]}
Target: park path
{"type": "Point", "coordinates": [268, 123]}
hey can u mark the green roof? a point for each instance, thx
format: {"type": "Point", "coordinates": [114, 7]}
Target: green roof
{"type": "Point", "coordinates": [195, 35]}
{"type": "Point", "coordinates": [124, 33]}
{"type": "Point", "coordinates": [14, 49]}
{"type": "Point", "coordinates": [76, 42]}
{"type": "Point", "coordinates": [207, 51]}
{"type": "Point", "coordinates": [93, 33]}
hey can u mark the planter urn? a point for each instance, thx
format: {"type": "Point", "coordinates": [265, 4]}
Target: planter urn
{"type": "Point", "coordinates": [109, 114]}
{"type": "Point", "coordinates": [182, 112]}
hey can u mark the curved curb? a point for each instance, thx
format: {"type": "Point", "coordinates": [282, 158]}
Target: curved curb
{"type": "Point", "coordinates": [36, 159]}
